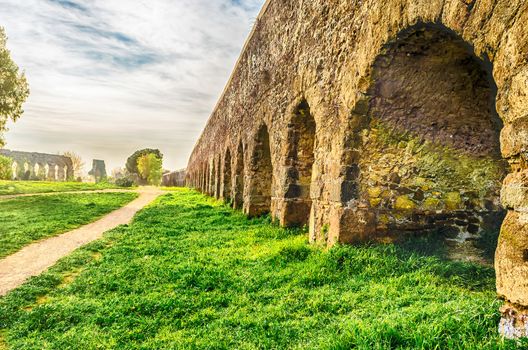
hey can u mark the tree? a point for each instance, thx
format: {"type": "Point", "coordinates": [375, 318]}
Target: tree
{"type": "Point", "coordinates": [132, 161]}
{"type": "Point", "coordinates": [149, 167]}
{"type": "Point", "coordinates": [14, 88]}
{"type": "Point", "coordinates": [77, 163]}
{"type": "Point", "coordinates": [6, 168]}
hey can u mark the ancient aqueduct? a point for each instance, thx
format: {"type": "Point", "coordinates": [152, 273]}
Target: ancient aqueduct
{"type": "Point", "coordinates": [371, 120]}
{"type": "Point", "coordinates": [41, 166]}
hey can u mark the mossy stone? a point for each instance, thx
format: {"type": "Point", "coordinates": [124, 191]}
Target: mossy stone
{"type": "Point", "coordinates": [374, 202]}
{"type": "Point", "coordinates": [374, 192]}
{"type": "Point", "coordinates": [404, 203]}
{"type": "Point", "coordinates": [453, 201]}
{"type": "Point", "coordinates": [383, 219]}
{"type": "Point", "coordinates": [432, 203]}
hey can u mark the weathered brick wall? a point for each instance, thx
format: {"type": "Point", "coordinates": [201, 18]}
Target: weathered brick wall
{"type": "Point", "coordinates": [174, 179]}
{"type": "Point", "coordinates": [39, 166]}
{"type": "Point", "coordinates": [382, 124]}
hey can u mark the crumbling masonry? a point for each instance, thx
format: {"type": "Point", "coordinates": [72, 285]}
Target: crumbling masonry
{"type": "Point", "coordinates": [375, 120]}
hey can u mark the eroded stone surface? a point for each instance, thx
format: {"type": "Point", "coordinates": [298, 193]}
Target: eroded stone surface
{"type": "Point", "coordinates": [514, 192]}
{"type": "Point", "coordinates": [512, 259]}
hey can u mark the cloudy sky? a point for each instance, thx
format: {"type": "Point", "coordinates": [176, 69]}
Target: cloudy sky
{"type": "Point", "coordinates": [108, 77]}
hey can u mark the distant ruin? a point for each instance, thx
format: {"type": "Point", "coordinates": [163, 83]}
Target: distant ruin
{"type": "Point", "coordinates": [377, 120]}
{"type": "Point", "coordinates": [174, 179]}
{"type": "Point", "coordinates": [98, 170]}
{"type": "Point", "coordinates": [39, 166]}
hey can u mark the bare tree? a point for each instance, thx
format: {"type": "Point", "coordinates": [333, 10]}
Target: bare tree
{"type": "Point", "coordinates": [77, 162]}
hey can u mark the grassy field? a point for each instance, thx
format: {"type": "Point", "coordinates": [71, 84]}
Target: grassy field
{"type": "Point", "coordinates": [21, 187]}
{"type": "Point", "coordinates": [190, 273]}
{"type": "Point", "coordinates": [27, 219]}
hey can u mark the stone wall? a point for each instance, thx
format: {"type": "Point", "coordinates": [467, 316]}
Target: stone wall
{"type": "Point", "coordinates": [39, 166]}
{"type": "Point", "coordinates": [376, 120]}
{"type": "Point", "coordinates": [174, 179]}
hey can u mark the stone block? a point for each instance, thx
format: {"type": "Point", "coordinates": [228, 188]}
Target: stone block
{"type": "Point", "coordinates": [514, 138]}
{"type": "Point", "coordinates": [511, 259]}
{"type": "Point", "coordinates": [514, 192]}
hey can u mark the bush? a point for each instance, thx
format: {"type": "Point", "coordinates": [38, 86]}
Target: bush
{"type": "Point", "coordinates": [6, 168]}
{"type": "Point", "coordinates": [132, 161]}
{"type": "Point", "coordinates": [124, 182]}
{"type": "Point", "coordinates": [150, 168]}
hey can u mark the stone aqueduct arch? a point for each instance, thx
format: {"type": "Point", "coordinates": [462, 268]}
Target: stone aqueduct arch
{"type": "Point", "coordinates": [41, 166]}
{"type": "Point", "coordinates": [382, 118]}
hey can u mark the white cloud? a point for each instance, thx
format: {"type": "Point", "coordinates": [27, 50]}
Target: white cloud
{"type": "Point", "coordinates": [108, 77]}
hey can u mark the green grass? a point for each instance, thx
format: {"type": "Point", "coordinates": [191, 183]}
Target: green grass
{"type": "Point", "coordinates": [22, 187]}
{"type": "Point", "coordinates": [189, 273]}
{"type": "Point", "coordinates": [171, 189]}
{"type": "Point", "coordinates": [28, 219]}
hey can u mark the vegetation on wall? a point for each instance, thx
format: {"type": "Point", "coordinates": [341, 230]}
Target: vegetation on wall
{"type": "Point", "coordinates": [438, 167]}
{"type": "Point", "coordinates": [14, 88]}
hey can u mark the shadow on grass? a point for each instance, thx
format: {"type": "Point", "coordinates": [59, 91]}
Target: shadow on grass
{"type": "Point", "coordinates": [471, 275]}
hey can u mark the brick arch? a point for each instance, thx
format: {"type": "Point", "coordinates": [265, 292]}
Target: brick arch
{"type": "Point", "coordinates": [260, 174]}
{"type": "Point", "coordinates": [429, 92]}
{"type": "Point", "coordinates": [239, 177]}
{"type": "Point", "coordinates": [227, 176]}
{"type": "Point", "coordinates": [208, 178]}
{"type": "Point", "coordinates": [330, 53]}
{"type": "Point", "coordinates": [203, 182]}
{"type": "Point", "coordinates": [15, 167]}
{"type": "Point", "coordinates": [217, 176]}
{"type": "Point", "coordinates": [299, 162]}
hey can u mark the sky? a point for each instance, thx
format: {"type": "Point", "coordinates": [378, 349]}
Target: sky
{"type": "Point", "coordinates": [108, 77]}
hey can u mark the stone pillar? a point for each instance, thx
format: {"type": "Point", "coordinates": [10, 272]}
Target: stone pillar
{"type": "Point", "coordinates": [61, 174]}
{"type": "Point", "coordinates": [511, 258]}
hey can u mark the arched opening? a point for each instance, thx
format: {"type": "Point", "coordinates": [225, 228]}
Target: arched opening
{"type": "Point", "coordinates": [36, 172]}
{"type": "Point", "coordinates": [299, 162]}
{"type": "Point", "coordinates": [430, 160]}
{"type": "Point", "coordinates": [203, 185]}
{"type": "Point", "coordinates": [209, 187]}
{"type": "Point", "coordinates": [14, 170]}
{"type": "Point", "coordinates": [238, 201]}
{"type": "Point", "coordinates": [41, 173]}
{"type": "Point", "coordinates": [56, 172]}
{"type": "Point", "coordinates": [27, 171]}
{"type": "Point", "coordinates": [214, 178]}
{"type": "Point", "coordinates": [259, 201]}
{"type": "Point", "coordinates": [217, 175]}
{"type": "Point", "coordinates": [202, 178]}
{"type": "Point", "coordinates": [227, 177]}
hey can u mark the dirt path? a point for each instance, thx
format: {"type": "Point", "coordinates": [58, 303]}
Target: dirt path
{"type": "Point", "coordinates": [37, 257]}
{"type": "Point", "coordinates": [109, 190]}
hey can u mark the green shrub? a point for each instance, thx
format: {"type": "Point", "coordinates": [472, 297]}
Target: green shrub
{"type": "Point", "coordinates": [6, 168]}
{"type": "Point", "coordinates": [124, 182]}
{"type": "Point", "coordinates": [150, 168]}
